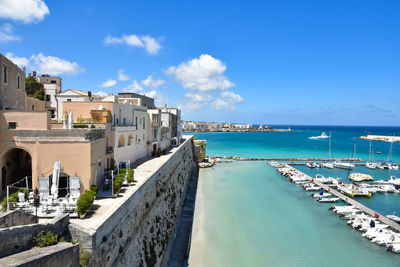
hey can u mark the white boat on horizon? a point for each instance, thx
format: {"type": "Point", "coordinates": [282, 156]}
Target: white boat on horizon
{"type": "Point", "coordinates": [322, 136]}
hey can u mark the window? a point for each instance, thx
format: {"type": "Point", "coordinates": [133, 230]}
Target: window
{"type": "Point", "coordinates": [33, 107]}
{"type": "Point", "coordinates": [53, 81]}
{"type": "Point", "coordinates": [155, 134]}
{"type": "Point", "coordinates": [124, 121]}
{"type": "Point", "coordinates": [12, 125]}
{"type": "Point", "coordinates": [144, 124]}
{"type": "Point", "coordinates": [69, 100]}
{"type": "Point", "coordinates": [136, 122]}
{"type": "Point", "coordinates": [4, 74]}
{"type": "Point", "coordinates": [47, 97]}
{"type": "Point", "coordinates": [18, 81]}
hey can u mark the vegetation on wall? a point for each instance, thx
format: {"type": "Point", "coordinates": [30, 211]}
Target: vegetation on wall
{"type": "Point", "coordinates": [44, 239]}
{"type": "Point", "coordinates": [85, 202]}
{"type": "Point", "coordinates": [34, 88]}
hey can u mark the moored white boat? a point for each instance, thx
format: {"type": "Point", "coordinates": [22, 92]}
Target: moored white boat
{"type": "Point", "coordinates": [328, 165]}
{"type": "Point", "coordinates": [371, 165]}
{"type": "Point", "coordinates": [344, 165]}
{"type": "Point", "coordinates": [328, 199]}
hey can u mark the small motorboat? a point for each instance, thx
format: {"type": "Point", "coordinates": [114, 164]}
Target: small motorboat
{"type": "Point", "coordinates": [328, 199]}
{"type": "Point", "coordinates": [393, 247]}
{"type": "Point", "coordinates": [322, 136]}
{"type": "Point", "coordinates": [344, 165]}
{"type": "Point", "coordinates": [321, 195]}
{"type": "Point", "coordinates": [328, 165]}
{"type": "Point", "coordinates": [394, 218]}
{"type": "Point", "coordinates": [311, 164]}
{"type": "Point", "coordinates": [371, 165]}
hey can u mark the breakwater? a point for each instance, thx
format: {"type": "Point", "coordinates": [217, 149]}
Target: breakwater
{"type": "Point", "coordinates": [285, 159]}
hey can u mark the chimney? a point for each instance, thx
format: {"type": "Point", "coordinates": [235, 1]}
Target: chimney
{"type": "Point", "coordinates": [34, 74]}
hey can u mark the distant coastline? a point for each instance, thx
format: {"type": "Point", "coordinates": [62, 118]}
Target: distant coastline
{"type": "Point", "coordinates": [237, 130]}
{"type": "Point", "coordinates": [197, 127]}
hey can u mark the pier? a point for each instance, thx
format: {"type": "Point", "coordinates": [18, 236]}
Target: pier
{"type": "Point", "coordinates": [286, 159]}
{"type": "Point", "coordinates": [350, 201]}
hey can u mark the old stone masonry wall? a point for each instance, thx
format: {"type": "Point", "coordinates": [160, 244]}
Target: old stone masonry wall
{"type": "Point", "coordinates": [139, 233]}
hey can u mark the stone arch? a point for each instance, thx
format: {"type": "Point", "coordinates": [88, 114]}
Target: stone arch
{"type": "Point", "coordinates": [121, 140]}
{"type": "Point", "coordinates": [15, 164]}
{"type": "Point", "coordinates": [130, 138]}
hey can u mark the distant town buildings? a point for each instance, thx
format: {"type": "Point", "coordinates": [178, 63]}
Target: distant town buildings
{"type": "Point", "coordinates": [88, 134]}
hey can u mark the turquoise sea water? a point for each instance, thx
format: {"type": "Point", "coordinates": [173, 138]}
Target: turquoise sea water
{"type": "Point", "coordinates": [248, 215]}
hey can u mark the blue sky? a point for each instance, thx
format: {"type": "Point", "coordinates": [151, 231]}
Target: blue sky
{"type": "Point", "coordinates": [271, 62]}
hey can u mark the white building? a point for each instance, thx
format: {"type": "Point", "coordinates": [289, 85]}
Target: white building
{"type": "Point", "coordinates": [72, 95]}
{"type": "Point", "coordinates": [52, 87]}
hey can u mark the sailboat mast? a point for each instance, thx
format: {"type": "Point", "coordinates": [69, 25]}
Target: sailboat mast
{"type": "Point", "coordinates": [389, 157]}
{"type": "Point", "coordinates": [330, 144]}
{"type": "Point", "coordinates": [370, 146]}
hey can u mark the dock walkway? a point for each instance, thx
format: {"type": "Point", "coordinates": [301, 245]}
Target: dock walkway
{"type": "Point", "coordinates": [351, 201]}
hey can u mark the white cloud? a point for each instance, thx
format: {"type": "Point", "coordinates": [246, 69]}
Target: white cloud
{"type": "Point", "coordinates": [152, 93]}
{"type": "Point", "coordinates": [47, 64]}
{"type": "Point", "coordinates": [193, 101]}
{"type": "Point", "coordinates": [204, 73]}
{"type": "Point", "coordinates": [134, 87]}
{"type": "Point", "coordinates": [101, 93]}
{"type": "Point", "coordinates": [108, 83]}
{"type": "Point", "coordinates": [54, 65]}
{"type": "Point", "coordinates": [6, 34]}
{"type": "Point", "coordinates": [20, 61]}
{"type": "Point", "coordinates": [23, 10]}
{"type": "Point", "coordinates": [152, 83]}
{"type": "Point", "coordinates": [227, 101]}
{"type": "Point", "coordinates": [122, 76]}
{"type": "Point", "coordinates": [149, 43]}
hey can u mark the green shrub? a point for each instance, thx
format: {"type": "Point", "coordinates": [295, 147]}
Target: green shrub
{"type": "Point", "coordinates": [44, 239]}
{"type": "Point", "coordinates": [158, 152]}
{"type": "Point", "coordinates": [94, 188]}
{"type": "Point", "coordinates": [14, 198]}
{"type": "Point", "coordinates": [118, 182]}
{"type": "Point", "coordinates": [130, 176]}
{"type": "Point", "coordinates": [84, 202]}
{"type": "Point", "coordinates": [122, 170]}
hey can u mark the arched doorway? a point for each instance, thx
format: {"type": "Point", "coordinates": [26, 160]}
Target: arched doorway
{"type": "Point", "coordinates": [63, 184]}
{"type": "Point", "coordinates": [15, 165]}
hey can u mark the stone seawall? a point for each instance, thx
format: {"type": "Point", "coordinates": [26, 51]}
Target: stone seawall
{"type": "Point", "coordinates": [139, 230]}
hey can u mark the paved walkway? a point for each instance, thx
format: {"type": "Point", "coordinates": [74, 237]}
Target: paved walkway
{"type": "Point", "coordinates": [351, 201]}
{"type": "Point", "coordinates": [104, 208]}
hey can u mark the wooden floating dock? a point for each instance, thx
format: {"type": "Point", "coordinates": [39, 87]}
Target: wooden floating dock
{"type": "Point", "coordinates": [350, 201]}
